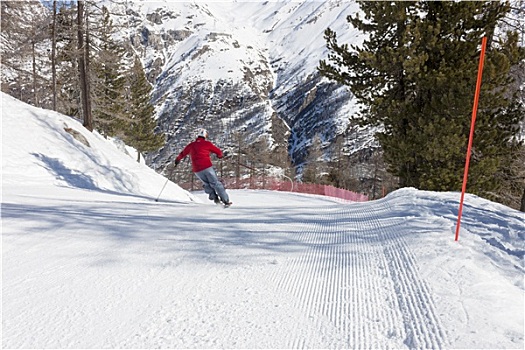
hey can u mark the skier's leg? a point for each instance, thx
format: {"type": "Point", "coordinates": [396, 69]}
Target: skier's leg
{"type": "Point", "coordinates": [214, 182]}
{"type": "Point", "coordinates": [207, 187]}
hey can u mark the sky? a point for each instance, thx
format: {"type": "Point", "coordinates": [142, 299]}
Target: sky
{"type": "Point", "coordinates": [90, 259]}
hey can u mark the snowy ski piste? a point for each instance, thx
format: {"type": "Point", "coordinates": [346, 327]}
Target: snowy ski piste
{"type": "Point", "coordinates": [90, 260]}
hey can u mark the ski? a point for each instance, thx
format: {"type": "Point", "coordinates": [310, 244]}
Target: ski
{"type": "Point", "coordinates": [225, 205]}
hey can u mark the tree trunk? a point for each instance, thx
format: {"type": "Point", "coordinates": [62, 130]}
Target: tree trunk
{"type": "Point", "coordinates": [33, 54]}
{"type": "Point", "coordinates": [87, 45]}
{"type": "Point", "coordinates": [83, 51]}
{"type": "Point", "coordinates": [53, 56]}
{"type": "Point", "coordinates": [522, 206]}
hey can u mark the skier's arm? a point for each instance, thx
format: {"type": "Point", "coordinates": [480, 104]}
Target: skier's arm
{"type": "Point", "coordinates": [182, 154]}
{"type": "Point", "coordinates": [216, 150]}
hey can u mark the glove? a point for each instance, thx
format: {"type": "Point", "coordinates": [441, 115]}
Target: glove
{"type": "Point", "coordinates": [177, 162]}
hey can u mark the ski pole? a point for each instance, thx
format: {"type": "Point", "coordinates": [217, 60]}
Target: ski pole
{"type": "Point", "coordinates": [168, 179]}
{"type": "Point", "coordinates": [156, 200]}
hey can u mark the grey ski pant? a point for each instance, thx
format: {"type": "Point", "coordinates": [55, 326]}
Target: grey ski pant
{"type": "Point", "coordinates": [212, 186]}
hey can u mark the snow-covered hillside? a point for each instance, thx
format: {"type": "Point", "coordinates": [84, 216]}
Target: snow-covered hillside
{"type": "Point", "coordinates": [39, 148]}
{"type": "Point", "coordinates": [91, 260]}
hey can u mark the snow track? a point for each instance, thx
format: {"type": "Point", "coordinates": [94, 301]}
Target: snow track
{"type": "Point", "coordinates": [356, 271]}
{"type": "Point", "coordinates": [422, 325]}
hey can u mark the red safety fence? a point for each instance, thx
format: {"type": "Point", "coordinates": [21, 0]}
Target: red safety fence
{"type": "Point", "coordinates": [275, 184]}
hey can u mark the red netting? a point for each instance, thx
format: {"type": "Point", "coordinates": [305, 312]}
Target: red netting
{"type": "Point", "coordinates": [274, 184]}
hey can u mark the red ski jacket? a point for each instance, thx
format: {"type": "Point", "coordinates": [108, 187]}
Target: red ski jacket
{"type": "Point", "coordinates": [199, 151]}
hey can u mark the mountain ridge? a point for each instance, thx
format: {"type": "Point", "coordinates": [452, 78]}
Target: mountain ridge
{"type": "Point", "coordinates": [231, 66]}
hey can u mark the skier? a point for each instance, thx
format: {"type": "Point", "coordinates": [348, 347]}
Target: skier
{"type": "Point", "coordinates": [199, 151]}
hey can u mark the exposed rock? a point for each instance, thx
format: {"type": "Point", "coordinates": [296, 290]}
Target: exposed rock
{"type": "Point", "coordinates": [77, 136]}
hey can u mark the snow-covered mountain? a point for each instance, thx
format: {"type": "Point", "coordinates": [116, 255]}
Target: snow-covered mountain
{"type": "Point", "coordinates": [231, 66]}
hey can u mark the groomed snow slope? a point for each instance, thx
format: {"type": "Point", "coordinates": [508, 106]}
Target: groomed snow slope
{"type": "Point", "coordinates": [90, 260]}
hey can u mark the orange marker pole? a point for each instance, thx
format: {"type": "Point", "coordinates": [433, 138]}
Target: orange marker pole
{"type": "Point", "coordinates": [471, 137]}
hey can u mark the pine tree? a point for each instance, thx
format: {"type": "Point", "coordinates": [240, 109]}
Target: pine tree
{"type": "Point", "coordinates": [68, 94]}
{"type": "Point", "coordinates": [416, 74]}
{"type": "Point", "coordinates": [279, 152]}
{"type": "Point", "coordinates": [141, 133]}
{"type": "Point", "coordinates": [314, 169]}
{"type": "Point", "coordinates": [109, 81]}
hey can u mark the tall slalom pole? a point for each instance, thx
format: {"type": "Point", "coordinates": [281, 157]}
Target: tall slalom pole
{"type": "Point", "coordinates": [471, 137]}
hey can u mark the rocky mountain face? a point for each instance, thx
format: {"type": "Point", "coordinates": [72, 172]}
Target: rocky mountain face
{"type": "Point", "coordinates": [244, 68]}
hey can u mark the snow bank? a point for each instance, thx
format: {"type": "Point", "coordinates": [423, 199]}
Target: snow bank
{"type": "Point", "coordinates": [39, 146]}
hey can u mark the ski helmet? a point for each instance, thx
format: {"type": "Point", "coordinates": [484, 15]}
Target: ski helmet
{"type": "Point", "coordinates": [202, 133]}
